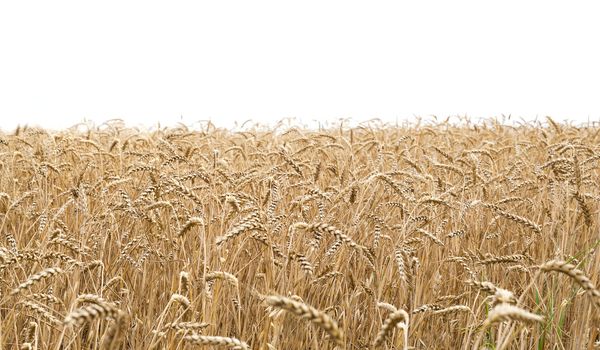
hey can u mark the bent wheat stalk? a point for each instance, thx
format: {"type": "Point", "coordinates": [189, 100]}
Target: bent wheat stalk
{"type": "Point", "coordinates": [47, 273]}
{"type": "Point", "coordinates": [315, 316]}
{"type": "Point", "coordinates": [576, 274]}
{"type": "Point", "coordinates": [398, 318]}
{"type": "Point", "coordinates": [233, 343]}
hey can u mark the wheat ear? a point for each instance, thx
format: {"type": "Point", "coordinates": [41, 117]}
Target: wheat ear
{"type": "Point", "coordinates": [233, 343]}
{"type": "Point", "coordinates": [310, 313]}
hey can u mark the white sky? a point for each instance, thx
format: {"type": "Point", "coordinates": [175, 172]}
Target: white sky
{"type": "Point", "coordinates": [150, 61]}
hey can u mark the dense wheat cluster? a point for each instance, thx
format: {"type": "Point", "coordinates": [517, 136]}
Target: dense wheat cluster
{"type": "Point", "coordinates": [436, 236]}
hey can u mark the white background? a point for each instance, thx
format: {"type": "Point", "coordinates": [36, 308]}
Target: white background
{"type": "Point", "coordinates": [145, 62]}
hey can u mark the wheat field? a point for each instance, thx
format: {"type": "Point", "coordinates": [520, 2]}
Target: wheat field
{"type": "Point", "coordinates": [436, 236]}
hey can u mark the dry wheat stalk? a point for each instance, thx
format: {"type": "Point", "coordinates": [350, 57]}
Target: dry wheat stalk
{"type": "Point", "coordinates": [252, 222]}
{"type": "Point", "coordinates": [184, 283]}
{"type": "Point", "coordinates": [114, 335]}
{"type": "Point", "coordinates": [431, 236]}
{"type": "Point", "coordinates": [576, 274]}
{"type": "Point", "coordinates": [453, 309]}
{"type": "Point", "coordinates": [30, 338]}
{"type": "Point", "coordinates": [47, 298]}
{"type": "Point", "coordinates": [89, 313]}
{"type": "Point", "coordinates": [304, 263]}
{"type": "Point", "coordinates": [516, 218]}
{"type": "Point", "coordinates": [232, 343]}
{"type": "Point", "coordinates": [41, 311]}
{"type": "Point", "coordinates": [389, 307]}
{"type": "Point", "coordinates": [181, 299]}
{"type": "Point", "coordinates": [427, 308]}
{"type": "Point", "coordinates": [193, 221]}
{"type": "Point", "coordinates": [195, 326]}
{"type": "Point", "coordinates": [504, 259]}
{"type": "Point", "coordinates": [400, 317]}
{"type": "Point", "coordinates": [507, 312]}
{"type": "Point", "coordinates": [315, 316]}
{"type": "Point", "coordinates": [222, 275]}
{"type": "Point", "coordinates": [33, 279]}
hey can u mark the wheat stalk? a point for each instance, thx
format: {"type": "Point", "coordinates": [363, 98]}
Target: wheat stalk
{"type": "Point", "coordinates": [576, 274]}
{"type": "Point", "coordinates": [232, 343]}
{"type": "Point", "coordinates": [309, 313]}
{"type": "Point", "coordinates": [33, 279]}
{"type": "Point", "coordinates": [399, 317]}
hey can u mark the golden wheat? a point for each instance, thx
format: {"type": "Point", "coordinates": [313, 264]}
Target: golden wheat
{"type": "Point", "coordinates": [308, 312]}
{"type": "Point", "coordinates": [119, 238]}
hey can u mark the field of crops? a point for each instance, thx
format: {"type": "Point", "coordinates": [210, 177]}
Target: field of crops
{"type": "Point", "coordinates": [434, 236]}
